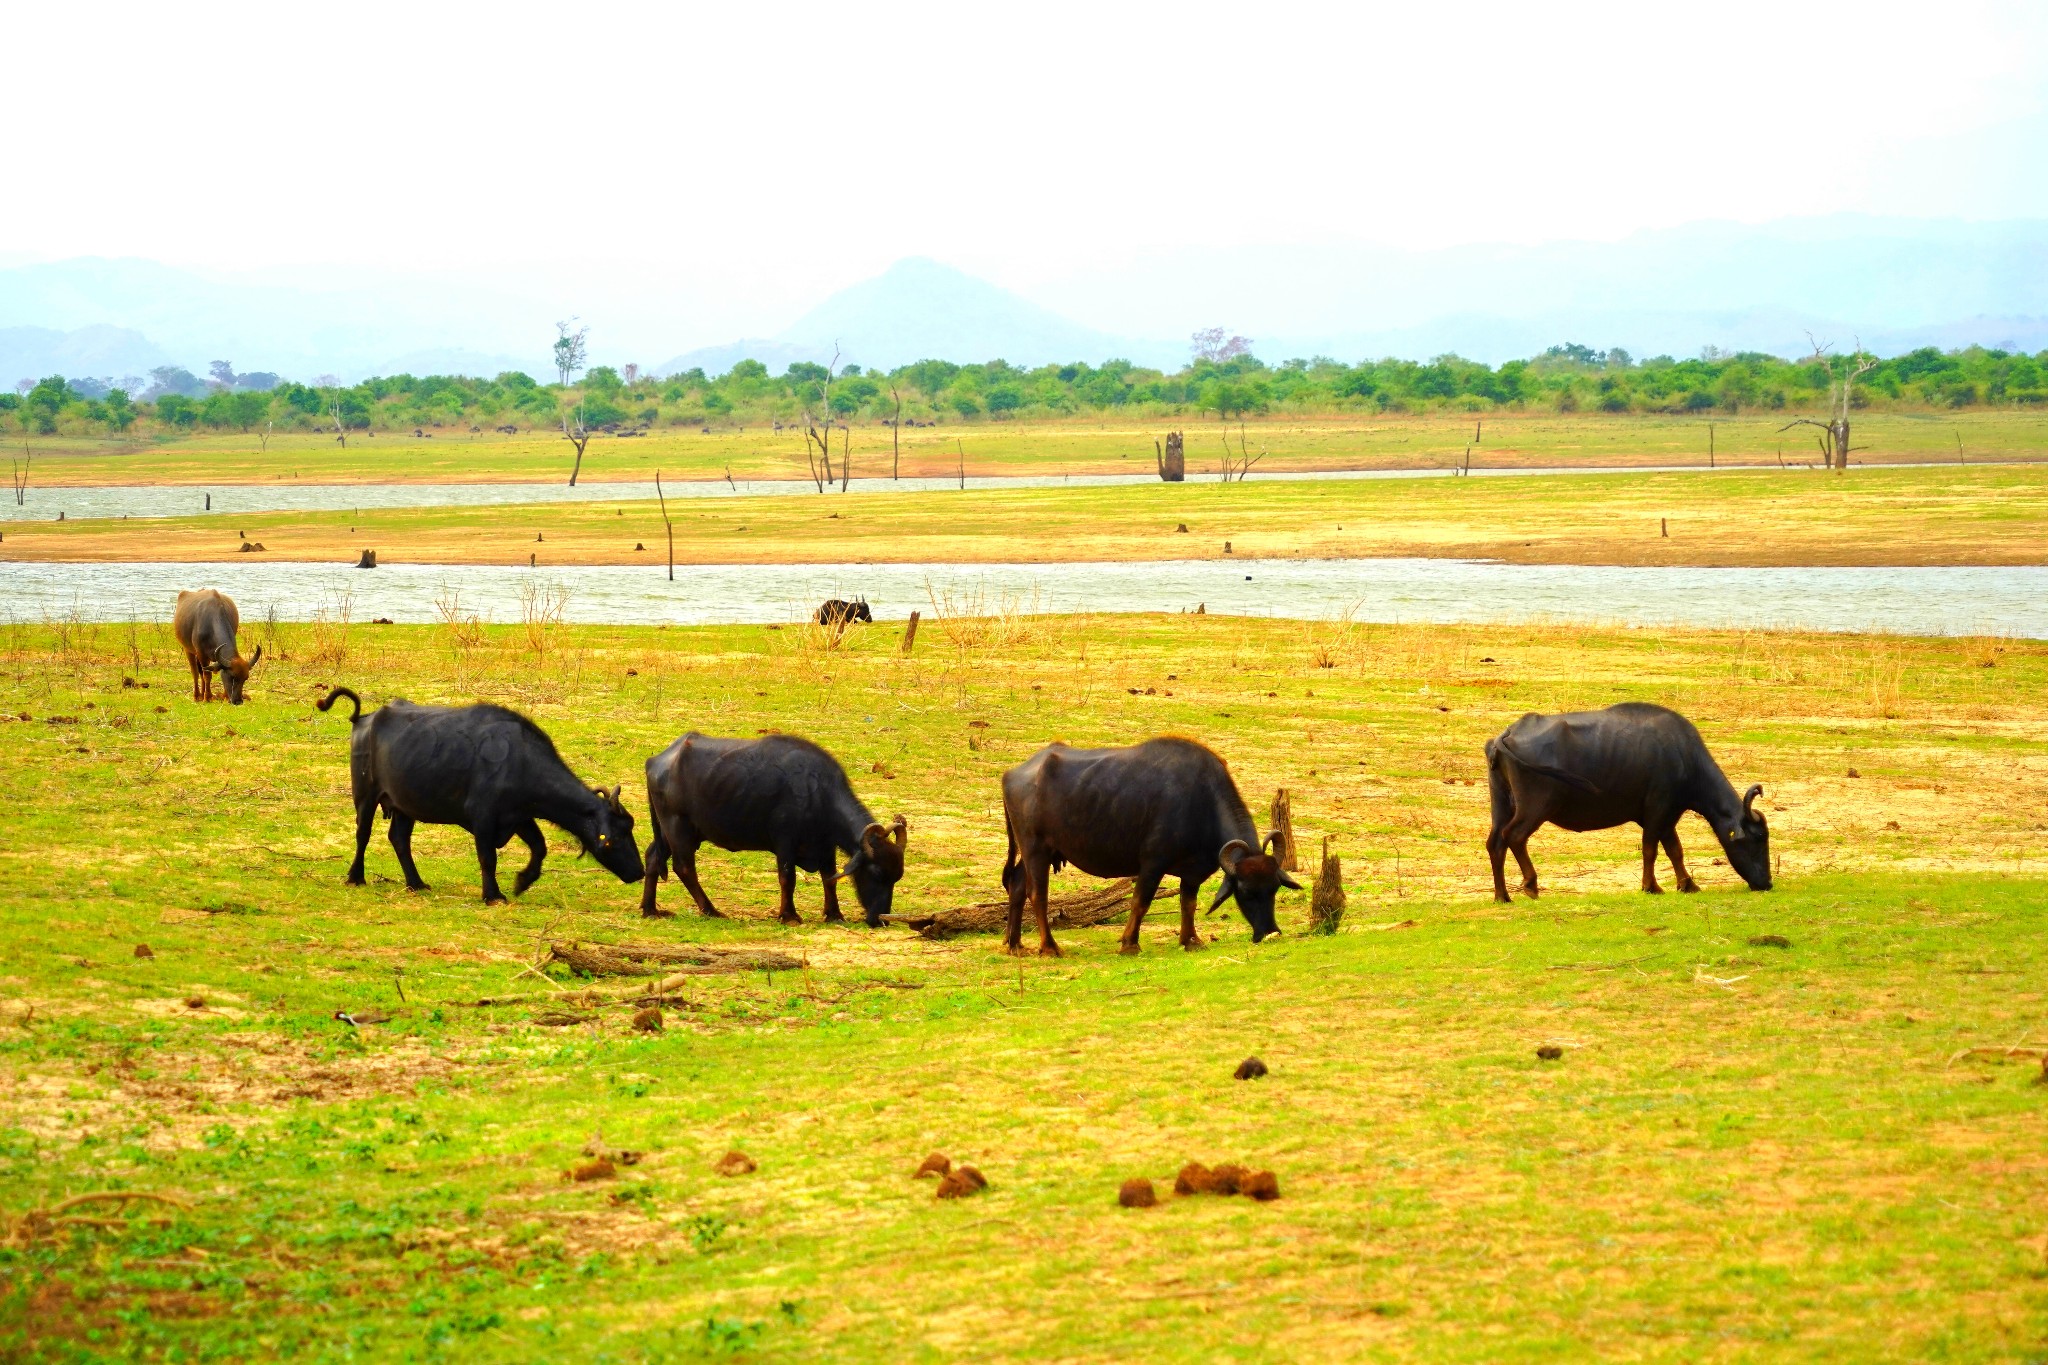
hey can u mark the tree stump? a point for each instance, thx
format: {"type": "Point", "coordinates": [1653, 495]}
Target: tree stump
{"type": "Point", "coordinates": [1326, 902]}
{"type": "Point", "coordinates": [368, 561]}
{"type": "Point", "coordinates": [1281, 831]}
{"type": "Point", "coordinates": [1173, 463]}
{"type": "Point", "coordinates": [910, 632]}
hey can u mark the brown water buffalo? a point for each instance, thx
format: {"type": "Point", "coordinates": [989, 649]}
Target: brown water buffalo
{"type": "Point", "coordinates": [1164, 808]}
{"type": "Point", "coordinates": [1631, 763]}
{"type": "Point", "coordinates": [205, 624]}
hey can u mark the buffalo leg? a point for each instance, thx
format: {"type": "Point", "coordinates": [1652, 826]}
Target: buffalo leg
{"type": "Point", "coordinates": [537, 847]}
{"type": "Point", "coordinates": [686, 869]}
{"type": "Point", "coordinates": [487, 863]}
{"type": "Point", "coordinates": [1676, 854]}
{"type": "Point", "coordinates": [1041, 888]}
{"type": "Point", "coordinates": [1503, 799]}
{"type": "Point", "coordinates": [1650, 886]}
{"type": "Point", "coordinates": [831, 876]}
{"type": "Point", "coordinates": [785, 873]}
{"type": "Point", "coordinates": [654, 868]}
{"type": "Point", "coordinates": [1189, 939]}
{"type": "Point", "coordinates": [1516, 839]}
{"type": "Point", "coordinates": [1142, 892]}
{"type": "Point", "coordinates": [1017, 880]}
{"type": "Point", "coordinates": [366, 815]}
{"type": "Point", "coordinates": [399, 831]}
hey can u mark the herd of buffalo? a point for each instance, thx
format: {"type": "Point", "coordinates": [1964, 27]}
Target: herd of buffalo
{"type": "Point", "coordinates": [1165, 807]}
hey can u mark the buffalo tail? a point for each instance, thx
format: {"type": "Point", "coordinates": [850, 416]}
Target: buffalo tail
{"type": "Point", "coordinates": [327, 701]}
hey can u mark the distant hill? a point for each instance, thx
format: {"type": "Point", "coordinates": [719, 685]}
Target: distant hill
{"type": "Point", "coordinates": [920, 309]}
{"type": "Point", "coordinates": [99, 352]}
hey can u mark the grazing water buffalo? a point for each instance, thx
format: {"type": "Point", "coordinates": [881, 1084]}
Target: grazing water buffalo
{"type": "Point", "coordinates": [1167, 807]}
{"type": "Point", "coordinates": [1598, 769]}
{"type": "Point", "coordinates": [487, 769]}
{"type": "Point", "coordinates": [205, 624]}
{"type": "Point", "coordinates": [838, 612]}
{"type": "Point", "coordinates": [780, 795]}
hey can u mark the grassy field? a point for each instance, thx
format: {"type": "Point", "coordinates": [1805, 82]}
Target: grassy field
{"type": "Point", "coordinates": [1036, 447]}
{"type": "Point", "coordinates": [1979, 515]}
{"type": "Point", "coordinates": [1744, 1151]}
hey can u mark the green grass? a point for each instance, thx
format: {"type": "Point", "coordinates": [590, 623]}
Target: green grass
{"type": "Point", "coordinates": [1786, 1164]}
{"type": "Point", "coordinates": [1071, 446]}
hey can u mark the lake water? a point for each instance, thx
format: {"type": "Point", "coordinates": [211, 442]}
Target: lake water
{"type": "Point", "coordinates": [1918, 601]}
{"type": "Point", "coordinates": [160, 500]}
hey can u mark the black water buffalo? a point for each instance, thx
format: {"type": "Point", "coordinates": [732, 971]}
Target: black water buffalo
{"type": "Point", "coordinates": [1167, 807]}
{"type": "Point", "coordinates": [1598, 769]}
{"type": "Point", "coordinates": [838, 612]}
{"type": "Point", "coordinates": [205, 624]}
{"type": "Point", "coordinates": [782, 795]}
{"type": "Point", "coordinates": [487, 769]}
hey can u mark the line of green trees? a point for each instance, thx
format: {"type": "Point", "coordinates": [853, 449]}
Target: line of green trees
{"type": "Point", "coordinates": [1567, 378]}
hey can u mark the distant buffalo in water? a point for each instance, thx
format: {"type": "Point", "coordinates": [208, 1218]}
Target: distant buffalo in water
{"type": "Point", "coordinates": [842, 613]}
{"type": "Point", "coordinates": [1631, 763]}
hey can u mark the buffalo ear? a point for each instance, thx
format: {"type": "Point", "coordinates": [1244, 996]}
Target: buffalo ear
{"type": "Point", "coordinates": [1289, 882]}
{"type": "Point", "coordinates": [1227, 859]}
{"type": "Point", "coordinates": [1225, 891]}
{"type": "Point", "coordinates": [1749, 798]}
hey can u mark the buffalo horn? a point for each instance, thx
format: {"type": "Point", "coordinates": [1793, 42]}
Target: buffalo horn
{"type": "Point", "coordinates": [1227, 859]}
{"type": "Point", "coordinates": [899, 828]}
{"type": "Point", "coordinates": [1271, 839]}
{"type": "Point", "coordinates": [613, 797]}
{"type": "Point", "coordinates": [1749, 797]}
{"type": "Point", "coordinates": [872, 834]}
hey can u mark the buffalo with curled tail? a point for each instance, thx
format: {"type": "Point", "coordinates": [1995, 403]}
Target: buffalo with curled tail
{"type": "Point", "coordinates": [491, 771]}
{"type": "Point", "coordinates": [1630, 764]}
{"type": "Point", "coordinates": [782, 795]}
{"type": "Point", "coordinates": [1164, 808]}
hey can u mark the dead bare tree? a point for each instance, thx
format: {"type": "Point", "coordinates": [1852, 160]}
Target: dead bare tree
{"type": "Point", "coordinates": [20, 472]}
{"type": "Point", "coordinates": [1834, 437]}
{"type": "Point", "coordinates": [580, 435]}
{"type": "Point", "coordinates": [667, 523]}
{"type": "Point", "coordinates": [1236, 466]}
{"type": "Point", "coordinates": [896, 436]}
{"type": "Point", "coordinates": [845, 455]}
{"type": "Point", "coordinates": [340, 427]}
{"type": "Point", "coordinates": [818, 448]}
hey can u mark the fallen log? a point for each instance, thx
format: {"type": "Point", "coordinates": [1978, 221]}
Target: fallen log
{"type": "Point", "coordinates": [646, 959]}
{"type": "Point", "coordinates": [1097, 905]}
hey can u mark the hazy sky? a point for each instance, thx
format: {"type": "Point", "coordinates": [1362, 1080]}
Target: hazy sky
{"type": "Point", "coordinates": [745, 159]}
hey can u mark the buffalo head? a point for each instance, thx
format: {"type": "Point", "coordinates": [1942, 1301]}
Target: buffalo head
{"type": "Point", "coordinates": [234, 670]}
{"type": "Point", "coordinates": [875, 868]}
{"type": "Point", "coordinates": [611, 837]}
{"type": "Point", "coordinates": [1748, 843]}
{"type": "Point", "coordinates": [1254, 879]}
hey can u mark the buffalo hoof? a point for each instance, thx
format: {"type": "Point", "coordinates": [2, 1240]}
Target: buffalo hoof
{"type": "Point", "coordinates": [1192, 945]}
{"type": "Point", "coordinates": [496, 900]}
{"type": "Point", "coordinates": [1529, 890]}
{"type": "Point", "coordinates": [789, 919]}
{"type": "Point", "coordinates": [353, 879]}
{"type": "Point", "coordinates": [1127, 949]}
{"type": "Point", "coordinates": [1015, 950]}
{"type": "Point", "coordinates": [1689, 887]}
{"type": "Point", "coordinates": [1653, 890]}
{"type": "Point", "coordinates": [523, 884]}
{"type": "Point", "coordinates": [418, 888]}
{"type": "Point", "coordinates": [1500, 898]}
{"type": "Point", "coordinates": [709, 911]}
{"type": "Point", "coordinates": [656, 912]}
{"type": "Point", "coordinates": [1049, 949]}
{"type": "Point", "coordinates": [834, 917]}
